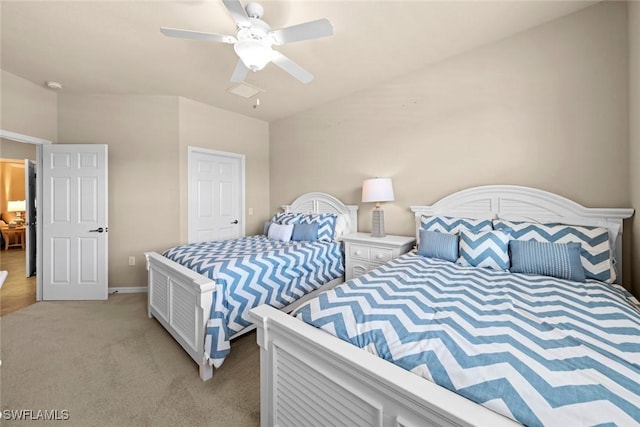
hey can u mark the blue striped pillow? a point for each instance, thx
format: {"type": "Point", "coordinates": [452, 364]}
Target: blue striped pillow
{"type": "Point", "coordinates": [595, 251]}
{"type": "Point", "coordinates": [488, 249]}
{"type": "Point", "coordinates": [453, 225]}
{"type": "Point", "coordinates": [438, 245]}
{"type": "Point", "coordinates": [326, 224]}
{"type": "Point", "coordinates": [561, 260]}
{"type": "Point", "coordinates": [308, 232]}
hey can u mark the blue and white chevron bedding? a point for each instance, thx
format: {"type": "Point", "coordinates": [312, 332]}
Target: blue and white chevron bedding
{"type": "Point", "coordinates": [540, 350]}
{"type": "Point", "coordinates": [252, 271]}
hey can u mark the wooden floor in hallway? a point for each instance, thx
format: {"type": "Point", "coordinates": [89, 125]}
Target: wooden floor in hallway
{"type": "Point", "coordinates": [18, 291]}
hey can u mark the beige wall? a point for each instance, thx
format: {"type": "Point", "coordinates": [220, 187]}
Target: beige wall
{"type": "Point", "coordinates": [148, 138]}
{"type": "Point", "coordinates": [634, 135]}
{"type": "Point", "coordinates": [546, 108]}
{"type": "Point", "coordinates": [17, 150]}
{"type": "Point", "coordinates": [27, 108]}
{"type": "Point", "coordinates": [204, 126]}
{"type": "Point", "coordinates": [142, 135]}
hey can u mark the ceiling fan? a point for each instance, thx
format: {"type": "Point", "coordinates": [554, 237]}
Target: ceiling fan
{"type": "Point", "coordinates": [254, 39]}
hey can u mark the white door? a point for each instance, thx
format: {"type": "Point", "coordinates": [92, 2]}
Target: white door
{"type": "Point", "coordinates": [216, 195]}
{"type": "Point", "coordinates": [30, 220]}
{"type": "Point", "coordinates": [74, 222]}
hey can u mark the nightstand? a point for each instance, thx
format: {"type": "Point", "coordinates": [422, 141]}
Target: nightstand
{"type": "Point", "coordinates": [364, 253]}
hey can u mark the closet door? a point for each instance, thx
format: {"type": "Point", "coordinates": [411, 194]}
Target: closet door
{"type": "Point", "coordinates": [216, 195]}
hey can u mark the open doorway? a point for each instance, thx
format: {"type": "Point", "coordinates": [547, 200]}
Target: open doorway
{"type": "Point", "coordinates": [16, 242]}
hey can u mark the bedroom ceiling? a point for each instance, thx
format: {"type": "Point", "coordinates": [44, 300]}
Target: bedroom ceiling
{"type": "Point", "coordinates": [116, 46]}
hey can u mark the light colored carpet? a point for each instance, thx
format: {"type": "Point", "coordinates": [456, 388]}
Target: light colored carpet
{"type": "Point", "coordinates": [108, 364]}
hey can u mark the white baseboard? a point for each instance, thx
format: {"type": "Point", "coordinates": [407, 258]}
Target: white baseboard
{"type": "Point", "coordinates": [128, 290]}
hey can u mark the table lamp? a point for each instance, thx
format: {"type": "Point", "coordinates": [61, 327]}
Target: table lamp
{"type": "Point", "coordinates": [17, 206]}
{"type": "Point", "coordinates": [377, 190]}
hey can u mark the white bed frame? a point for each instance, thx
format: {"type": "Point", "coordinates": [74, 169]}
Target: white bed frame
{"type": "Point", "coordinates": [180, 299]}
{"type": "Point", "coordinates": [309, 377]}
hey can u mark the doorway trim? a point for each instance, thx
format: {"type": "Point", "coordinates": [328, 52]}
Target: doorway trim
{"type": "Point", "coordinates": [39, 142]}
{"type": "Point", "coordinates": [241, 157]}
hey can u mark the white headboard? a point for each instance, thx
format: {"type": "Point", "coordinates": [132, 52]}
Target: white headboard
{"type": "Point", "coordinates": [325, 203]}
{"type": "Point", "coordinates": [513, 202]}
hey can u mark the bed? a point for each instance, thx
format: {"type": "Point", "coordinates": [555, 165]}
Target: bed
{"type": "Point", "coordinates": [311, 377]}
{"type": "Point", "coordinates": [202, 312]}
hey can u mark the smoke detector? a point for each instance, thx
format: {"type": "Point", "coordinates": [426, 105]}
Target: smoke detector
{"type": "Point", "coordinates": [53, 85]}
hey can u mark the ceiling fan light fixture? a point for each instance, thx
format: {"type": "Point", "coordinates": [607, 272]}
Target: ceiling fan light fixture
{"type": "Point", "coordinates": [255, 54]}
{"type": "Point", "coordinates": [254, 38]}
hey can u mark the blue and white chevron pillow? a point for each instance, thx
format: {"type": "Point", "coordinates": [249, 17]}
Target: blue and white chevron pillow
{"type": "Point", "coordinates": [287, 218]}
{"type": "Point", "coordinates": [453, 225]}
{"type": "Point", "coordinates": [487, 249]}
{"type": "Point", "coordinates": [561, 260]}
{"type": "Point", "coordinates": [326, 224]}
{"type": "Point", "coordinates": [267, 224]}
{"type": "Point", "coordinates": [595, 252]}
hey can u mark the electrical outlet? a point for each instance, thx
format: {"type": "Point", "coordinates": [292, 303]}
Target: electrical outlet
{"type": "Point", "coordinates": [132, 260]}
{"type": "Point", "coordinates": [250, 211]}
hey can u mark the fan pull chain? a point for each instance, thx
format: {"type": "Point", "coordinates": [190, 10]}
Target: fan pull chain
{"type": "Point", "coordinates": [254, 82]}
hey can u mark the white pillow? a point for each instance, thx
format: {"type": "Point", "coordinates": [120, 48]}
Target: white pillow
{"type": "Point", "coordinates": [341, 225]}
{"type": "Point", "coordinates": [280, 232]}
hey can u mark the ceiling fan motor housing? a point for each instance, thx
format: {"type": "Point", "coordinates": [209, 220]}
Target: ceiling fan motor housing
{"type": "Point", "coordinates": [259, 30]}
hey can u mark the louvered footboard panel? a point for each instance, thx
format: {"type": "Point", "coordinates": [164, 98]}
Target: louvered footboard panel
{"type": "Point", "coordinates": [303, 394]}
{"type": "Point", "coordinates": [183, 313]}
{"type": "Point", "coordinates": [159, 293]}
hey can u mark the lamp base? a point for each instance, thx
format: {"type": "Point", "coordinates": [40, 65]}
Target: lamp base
{"type": "Point", "coordinates": [377, 223]}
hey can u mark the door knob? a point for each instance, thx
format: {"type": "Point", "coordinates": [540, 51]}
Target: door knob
{"type": "Point", "coordinates": [97, 230]}
{"type": "Point", "coordinates": [234, 222]}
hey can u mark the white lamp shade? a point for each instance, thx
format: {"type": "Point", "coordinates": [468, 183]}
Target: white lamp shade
{"type": "Point", "coordinates": [16, 206]}
{"type": "Point", "coordinates": [377, 190]}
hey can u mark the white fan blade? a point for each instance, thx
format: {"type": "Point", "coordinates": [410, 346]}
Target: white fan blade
{"type": "Point", "coordinates": [306, 31]}
{"type": "Point", "coordinates": [239, 73]}
{"type": "Point", "coordinates": [291, 67]}
{"type": "Point", "coordinates": [237, 12]}
{"type": "Point", "coordinates": [196, 35]}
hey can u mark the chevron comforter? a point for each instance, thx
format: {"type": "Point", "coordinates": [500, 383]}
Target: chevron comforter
{"type": "Point", "coordinates": [255, 270]}
{"type": "Point", "coordinates": [540, 350]}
